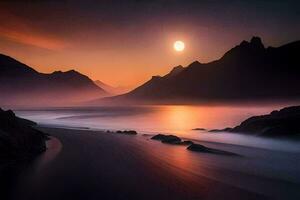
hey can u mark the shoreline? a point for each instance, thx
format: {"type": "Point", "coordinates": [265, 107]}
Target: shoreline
{"type": "Point", "coordinates": [116, 166]}
{"type": "Point", "coordinates": [196, 140]}
{"type": "Point", "coordinates": [89, 164]}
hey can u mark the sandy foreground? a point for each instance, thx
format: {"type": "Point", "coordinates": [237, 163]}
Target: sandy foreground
{"type": "Point", "coordinates": [84, 164]}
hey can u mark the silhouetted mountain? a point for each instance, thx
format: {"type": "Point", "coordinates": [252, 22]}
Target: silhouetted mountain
{"type": "Point", "coordinates": [110, 89]}
{"type": "Point", "coordinates": [248, 71]}
{"type": "Point", "coordinates": [22, 85]}
{"type": "Point", "coordinates": [176, 70]}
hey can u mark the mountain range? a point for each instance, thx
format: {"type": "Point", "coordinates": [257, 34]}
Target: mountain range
{"type": "Point", "coordinates": [22, 85]}
{"type": "Point", "coordinates": [249, 71]}
{"type": "Point", "coordinates": [111, 89]}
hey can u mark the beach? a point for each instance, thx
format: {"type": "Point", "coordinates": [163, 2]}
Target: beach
{"type": "Point", "coordinates": [87, 164]}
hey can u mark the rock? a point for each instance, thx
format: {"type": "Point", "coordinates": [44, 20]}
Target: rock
{"type": "Point", "coordinates": [282, 123]}
{"type": "Point", "coordinates": [187, 142]}
{"type": "Point", "coordinates": [199, 129]}
{"type": "Point", "coordinates": [127, 132]}
{"type": "Point", "coordinates": [220, 130]}
{"type": "Point", "coordinates": [159, 137]}
{"type": "Point", "coordinates": [18, 139]}
{"type": "Point", "coordinates": [198, 147]}
{"type": "Point", "coordinates": [204, 149]}
{"type": "Point", "coordinates": [170, 139]}
{"type": "Point", "coordinates": [130, 132]}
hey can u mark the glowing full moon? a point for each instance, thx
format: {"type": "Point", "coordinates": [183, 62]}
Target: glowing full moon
{"type": "Point", "coordinates": [179, 45]}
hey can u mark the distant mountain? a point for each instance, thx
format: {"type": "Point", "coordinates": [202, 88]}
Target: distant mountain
{"type": "Point", "coordinates": [248, 71]}
{"type": "Point", "coordinates": [110, 89]}
{"type": "Point", "coordinates": [22, 85]}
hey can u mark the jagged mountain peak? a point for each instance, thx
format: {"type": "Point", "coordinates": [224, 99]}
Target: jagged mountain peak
{"type": "Point", "coordinates": [196, 62]}
{"type": "Point", "coordinates": [247, 71]}
{"type": "Point", "coordinates": [255, 43]}
{"type": "Point", "coordinates": [176, 70]}
{"type": "Point", "coordinates": [246, 49]}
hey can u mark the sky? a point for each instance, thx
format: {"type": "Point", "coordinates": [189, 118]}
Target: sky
{"type": "Point", "coordinates": [124, 43]}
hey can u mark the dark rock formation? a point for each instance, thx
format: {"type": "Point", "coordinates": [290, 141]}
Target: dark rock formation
{"type": "Point", "coordinates": [228, 129]}
{"type": "Point", "coordinates": [204, 149]}
{"type": "Point", "coordinates": [282, 123]}
{"type": "Point", "coordinates": [198, 147]}
{"type": "Point", "coordinates": [199, 129]}
{"type": "Point", "coordinates": [187, 142]}
{"type": "Point", "coordinates": [18, 139]}
{"type": "Point", "coordinates": [127, 132]}
{"type": "Point", "coordinates": [170, 139]}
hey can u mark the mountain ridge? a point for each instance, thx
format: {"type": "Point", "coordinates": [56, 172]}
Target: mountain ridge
{"type": "Point", "coordinates": [248, 71]}
{"type": "Point", "coordinates": [111, 89]}
{"type": "Point", "coordinates": [20, 84]}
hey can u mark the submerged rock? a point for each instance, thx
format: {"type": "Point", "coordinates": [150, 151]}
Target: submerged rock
{"type": "Point", "coordinates": [158, 137]}
{"type": "Point", "coordinates": [171, 139]}
{"type": "Point", "coordinates": [187, 142]}
{"type": "Point", "coordinates": [228, 129]}
{"type": "Point", "coordinates": [198, 147]}
{"type": "Point", "coordinates": [18, 139]}
{"type": "Point", "coordinates": [204, 149]}
{"type": "Point", "coordinates": [199, 129]}
{"type": "Point", "coordinates": [127, 132]}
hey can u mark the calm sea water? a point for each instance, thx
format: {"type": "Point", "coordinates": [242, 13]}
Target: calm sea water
{"type": "Point", "coordinates": [267, 166]}
{"type": "Point", "coordinates": [173, 119]}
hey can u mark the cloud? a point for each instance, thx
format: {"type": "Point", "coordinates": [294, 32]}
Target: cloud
{"type": "Point", "coordinates": [16, 29]}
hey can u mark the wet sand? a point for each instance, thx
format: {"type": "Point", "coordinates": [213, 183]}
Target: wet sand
{"type": "Point", "coordinates": [85, 164]}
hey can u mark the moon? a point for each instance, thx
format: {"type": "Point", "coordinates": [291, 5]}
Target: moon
{"type": "Point", "coordinates": [179, 45]}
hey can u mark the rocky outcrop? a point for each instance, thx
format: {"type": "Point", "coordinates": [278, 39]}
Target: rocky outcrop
{"type": "Point", "coordinates": [18, 139]}
{"type": "Point", "coordinates": [127, 132]}
{"type": "Point", "coordinates": [170, 139]}
{"type": "Point", "coordinates": [282, 123]}
{"type": "Point", "coordinates": [204, 149]}
{"type": "Point", "coordinates": [228, 129]}
{"type": "Point", "coordinates": [199, 129]}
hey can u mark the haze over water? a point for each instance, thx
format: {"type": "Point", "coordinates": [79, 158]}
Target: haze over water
{"type": "Point", "coordinates": [171, 119]}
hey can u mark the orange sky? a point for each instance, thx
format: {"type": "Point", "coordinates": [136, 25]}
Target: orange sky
{"type": "Point", "coordinates": [124, 45]}
{"type": "Point", "coordinates": [115, 62]}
